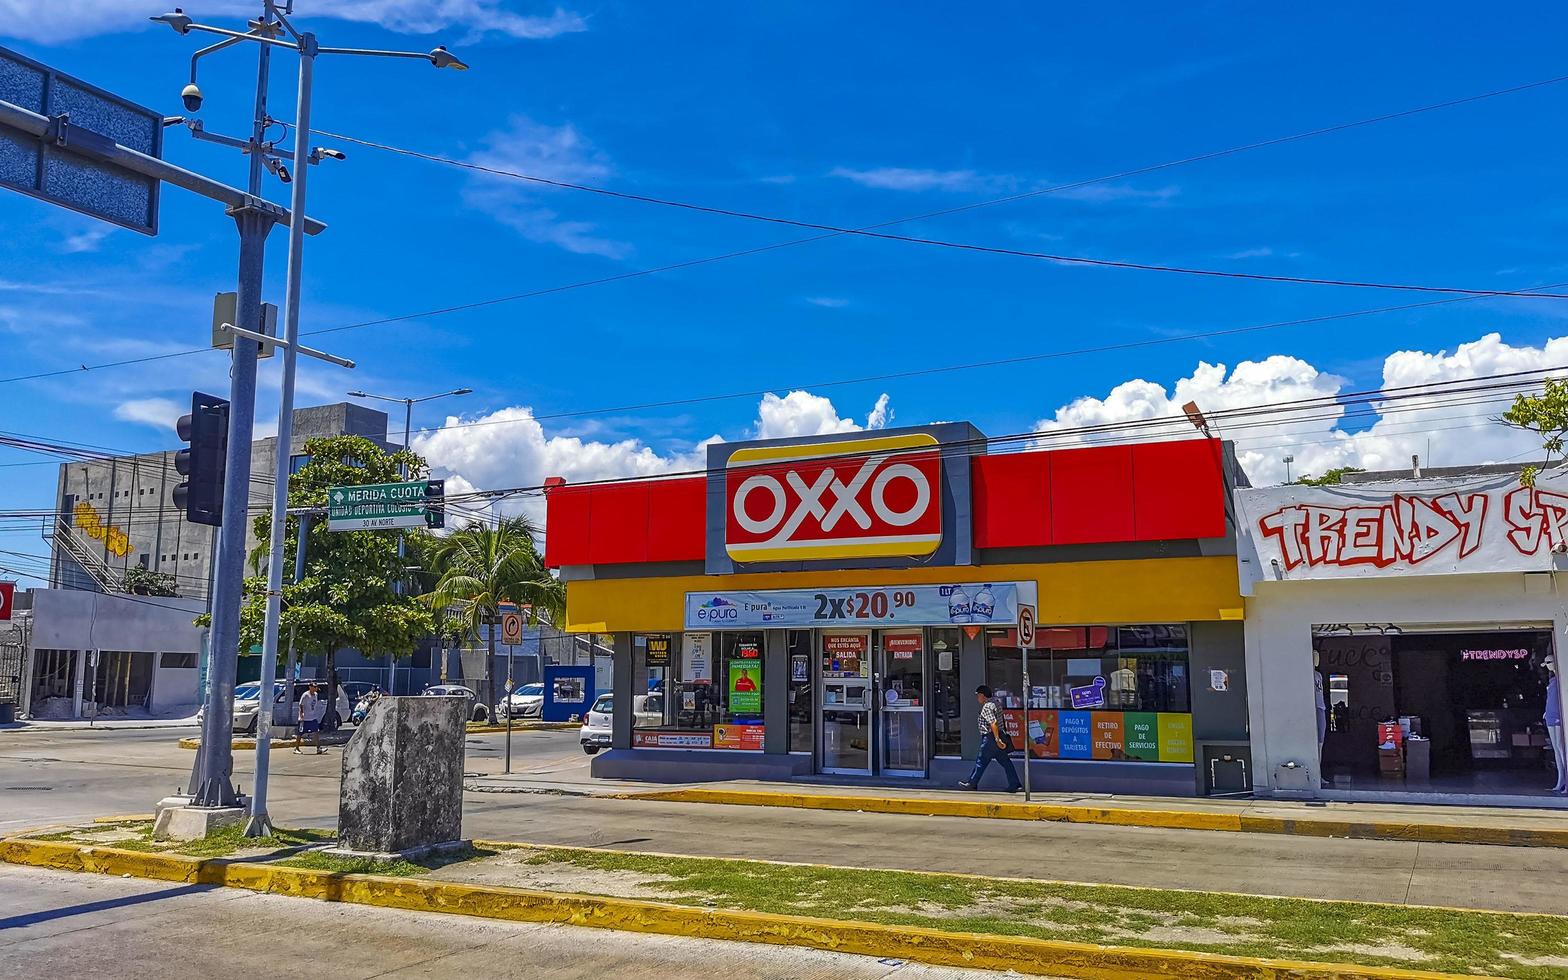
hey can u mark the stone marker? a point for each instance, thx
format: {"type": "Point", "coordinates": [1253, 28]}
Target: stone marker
{"type": "Point", "coordinates": [402, 784]}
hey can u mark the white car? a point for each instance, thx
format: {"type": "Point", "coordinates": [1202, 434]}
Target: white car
{"type": "Point", "coordinates": [247, 705]}
{"type": "Point", "coordinates": [647, 712]}
{"type": "Point", "coordinates": [525, 702]}
{"type": "Point", "coordinates": [477, 712]}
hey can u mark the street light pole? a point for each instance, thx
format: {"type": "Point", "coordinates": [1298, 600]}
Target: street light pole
{"type": "Point", "coordinates": [260, 823]}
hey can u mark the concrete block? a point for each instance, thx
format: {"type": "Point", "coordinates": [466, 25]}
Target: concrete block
{"type": "Point", "coordinates": [403, 776]}
{"type": "Point", "coordinates": [194, 822]}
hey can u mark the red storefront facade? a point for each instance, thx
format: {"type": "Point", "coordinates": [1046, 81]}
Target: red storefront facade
{"type": "Point", "coordinates": [858, 587]}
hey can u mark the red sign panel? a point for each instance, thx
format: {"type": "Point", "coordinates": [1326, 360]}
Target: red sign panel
{"type": "Point", "coordinates": [863, 498]}
{"type": "Point", "coordinates": [844, 644]}
{"type": "Point", "coordinates": [7, 597]}
{"type": "Point", "coordinates": [903, 646]}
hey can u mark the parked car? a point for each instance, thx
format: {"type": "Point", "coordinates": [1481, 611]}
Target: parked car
{"type": "Point", "coordinates": [477, 712]}
{"type": "Point", "coordinates": [247, 706]}
{"type": "Point", "coordinates": [525, 702]}
{"type": "Point", "coordinates": [647, 712]}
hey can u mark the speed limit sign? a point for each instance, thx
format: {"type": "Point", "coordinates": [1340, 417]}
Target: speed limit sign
{"type": "Point", "coordinates": [1025, 624]}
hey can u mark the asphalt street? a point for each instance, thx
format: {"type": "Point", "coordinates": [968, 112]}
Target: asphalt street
{"type": "Point", "coordinates": [49, 778]}
{"type": "Point", "coordinates": [69, 926]}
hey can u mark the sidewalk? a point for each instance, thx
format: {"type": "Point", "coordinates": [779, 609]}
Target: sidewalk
{"type": "Point", "coordinates": [101, 724]}
{"type": "Point", "coordinates": [1381, 821]}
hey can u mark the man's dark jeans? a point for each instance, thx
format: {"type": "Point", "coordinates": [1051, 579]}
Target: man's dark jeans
{"type": "Point", "coordinates": [989, 752]}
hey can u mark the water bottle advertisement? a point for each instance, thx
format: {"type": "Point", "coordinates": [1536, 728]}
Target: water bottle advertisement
{"type": "Point", "coordinates": [966, 604]}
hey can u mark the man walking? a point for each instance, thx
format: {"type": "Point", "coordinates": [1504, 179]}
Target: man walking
{"type": "Point", "coordinates": [991, 744]}
{"type": "Point", "coordinates": [310, 711]}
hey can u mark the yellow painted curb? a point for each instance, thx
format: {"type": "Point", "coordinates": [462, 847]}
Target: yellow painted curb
{"type": "Point", "coordinates": [1426, 833]}
{"type": "Point", "coordinates": [986, 952]}
{"type": "Point", "coordinates": [239, 743]}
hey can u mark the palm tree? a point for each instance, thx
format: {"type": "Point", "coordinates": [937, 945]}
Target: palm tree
{"type": "Point", "coordinates": [480, 567]}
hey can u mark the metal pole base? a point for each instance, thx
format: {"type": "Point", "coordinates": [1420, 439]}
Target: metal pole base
{"type": "Point", "coordinates": [216, 793]}
{"type": "Point", "coordinates": [258, 825]}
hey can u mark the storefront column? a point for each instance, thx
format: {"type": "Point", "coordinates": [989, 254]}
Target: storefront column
{"type": "Point", "coordinates": [624, 686]}
{"type": "Point", "coordinates": [971, 674]}
{"type": "Point", "coordinates": [775, 692]}
{"type": "Point", "coordinates": [81, 678]}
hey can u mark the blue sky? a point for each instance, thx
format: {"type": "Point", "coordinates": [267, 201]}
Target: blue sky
{"type": "Point", "coordinates": [847, 114]}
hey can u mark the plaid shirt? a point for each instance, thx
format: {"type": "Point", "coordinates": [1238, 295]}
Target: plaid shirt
{"type": "Point", "coordinates": [988, 717]}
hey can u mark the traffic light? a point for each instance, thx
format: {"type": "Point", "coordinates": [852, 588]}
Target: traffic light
{"type": "Point", "coordinates": [435, 496]}
{"type": "Point", "coordinates": [203, 465]}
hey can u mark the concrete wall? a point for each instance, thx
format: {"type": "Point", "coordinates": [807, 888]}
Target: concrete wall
{"type": "Point", "coordinates": [65, 619]}
{"type": "Point", "coordinates": [1280, 617]}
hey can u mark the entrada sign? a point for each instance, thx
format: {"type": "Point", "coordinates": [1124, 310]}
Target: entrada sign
{"type": "Point", "coordinates": [863, 498]}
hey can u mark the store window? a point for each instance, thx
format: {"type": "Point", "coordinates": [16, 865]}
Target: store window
{"type": "Point", "coordinates": [705, 692]}
{"type": "Point", "coordinates": [800, 691]}
{"type": "Point", "coordinates": [947, 698]}
{"type": "Point", "coordinates": [1112, 693]}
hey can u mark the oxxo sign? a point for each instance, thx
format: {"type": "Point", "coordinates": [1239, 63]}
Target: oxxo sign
{"type": "Point", "coordinates": [862, 498]}
{"type": "Point", "coordinates": [7, 598]}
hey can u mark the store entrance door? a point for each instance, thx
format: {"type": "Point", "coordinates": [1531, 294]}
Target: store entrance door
{"type": "Point", "coordinates": [873, 704]}
{"type": "Point", "coordinates": [901, 675]}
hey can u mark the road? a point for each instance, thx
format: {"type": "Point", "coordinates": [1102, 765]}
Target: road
{"type": "Point", "coordinates": [48, 778]}
{"type": "Point", "coordinates": [69, 926]}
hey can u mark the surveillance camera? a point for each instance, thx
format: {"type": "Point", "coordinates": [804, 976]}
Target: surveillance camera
{"type": "Point", "coordinates": [283, 174]}
{"type": "Point", "coordinates": [191, 96]}
{"type": "Point", "coordinates": [334, 154]}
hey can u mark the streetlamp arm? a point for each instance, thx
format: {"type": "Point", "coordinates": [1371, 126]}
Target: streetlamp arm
{"type": "Point", "coordinates": [209, 49]}
{"type": "Point", "coordinates": [243, 36]}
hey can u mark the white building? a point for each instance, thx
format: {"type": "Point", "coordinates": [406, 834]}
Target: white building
{"type": "Point", "coordinates": [118, 652]}
{"type": "Point", "coordinates": [1398, 634]}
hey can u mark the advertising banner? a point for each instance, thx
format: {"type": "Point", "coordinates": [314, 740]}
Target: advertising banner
{"type": "Point", "coordinates": [672, 740]}
{"type": "Point", "coordinates": [748, 737]}
{"type": "Point", "coordinates": [746, 687]}
{"type": "Point", "coordinates": [1142, 736]}
{"type": "Point", "coordinates": [1401, 527]}
{"type": "Point", "coordinates": [697, 664]}
{"type": "Point", "coordinates": [966, 603]}
{"type": "Point", "coordinates": [658, 651]}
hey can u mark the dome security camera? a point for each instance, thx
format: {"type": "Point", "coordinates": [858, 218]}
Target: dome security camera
{"type": "Point", "coordinates": [191, 96]}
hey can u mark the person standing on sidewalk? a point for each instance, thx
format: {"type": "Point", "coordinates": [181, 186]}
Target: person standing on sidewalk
{"type": "Point", "coordinates": [991, 742]}
{"type": "Point", "coordinates": [310, 711]}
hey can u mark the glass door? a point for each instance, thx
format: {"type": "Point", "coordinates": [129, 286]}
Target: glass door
{"type": "Point", "coordinates": [901, 712]}
{"type": "Point", "coordinates": [846, 703]}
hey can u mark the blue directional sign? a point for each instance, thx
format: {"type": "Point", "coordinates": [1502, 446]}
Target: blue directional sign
{"type": "Point", "coordinates": [82, 116]}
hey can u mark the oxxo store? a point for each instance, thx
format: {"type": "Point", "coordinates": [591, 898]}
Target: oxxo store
{"type": "Point", "coordinates": [1402, 637]}
{"type": "Point", "coordinates": [824, 607]}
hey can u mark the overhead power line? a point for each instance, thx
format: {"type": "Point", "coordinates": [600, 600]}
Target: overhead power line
{"type": "Point", "coordinates": [741, 253]}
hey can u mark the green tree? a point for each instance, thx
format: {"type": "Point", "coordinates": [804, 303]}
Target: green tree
{"type": "Point", "coordinates": [1545, 415]}
{"type": "Point", "coordinates": [141, 581]}
{"type": "Point", "coordinates": [347, 596]}
{"type": "Point", "coordinates": [479, 567]}
{"type": "Point", "coordinates": [1330, 478]}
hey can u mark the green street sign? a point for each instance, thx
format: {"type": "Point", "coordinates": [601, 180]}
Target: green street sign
{"type": "Point", "coordinates": [377, 507]}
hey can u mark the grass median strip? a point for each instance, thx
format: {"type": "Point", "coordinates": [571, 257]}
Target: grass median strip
{"type": "Point", "coordinates": [1528, 947]}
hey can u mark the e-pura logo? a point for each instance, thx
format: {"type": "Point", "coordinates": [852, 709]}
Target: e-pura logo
{"type": "Point", "coordinates": [860, 498]}
{"type": "Point", "coordinates": [717, 610]}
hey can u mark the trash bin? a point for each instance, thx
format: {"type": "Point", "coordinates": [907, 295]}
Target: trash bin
{"type": "Point", "coordinates": [7, 713]}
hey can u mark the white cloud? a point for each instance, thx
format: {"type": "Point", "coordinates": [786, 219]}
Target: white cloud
{"type": "Point", "coordinates": [1252, 253]}
{"type": "Point", "coordinates": [86, 240]}
{"type": "Point", "coordinates": [53, 21]}
{"type": "Point", "coordinates": [554, 152]}
{"type": "Point", "coordinates": [800, 413]}
{"type": "Point", "coordinates": [160, 413]}
{"type": "Point", "coordinates": [510, 448]}
{"type": "Point", "coordinates": [1323, 438]}
{"type": "Point", "coordinates": [829, 302]}
{"type": "Point", "coordinates": [914, 179]}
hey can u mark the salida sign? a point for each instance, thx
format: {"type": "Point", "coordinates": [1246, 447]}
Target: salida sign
{"type": "Point", "coordinates": [1349, 531]}
{"type": "Point", "coordinates": [863, 498]}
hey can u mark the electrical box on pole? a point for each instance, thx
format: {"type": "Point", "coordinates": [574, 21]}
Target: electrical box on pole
{"type": "Point", "coordinates": [204, 464]}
